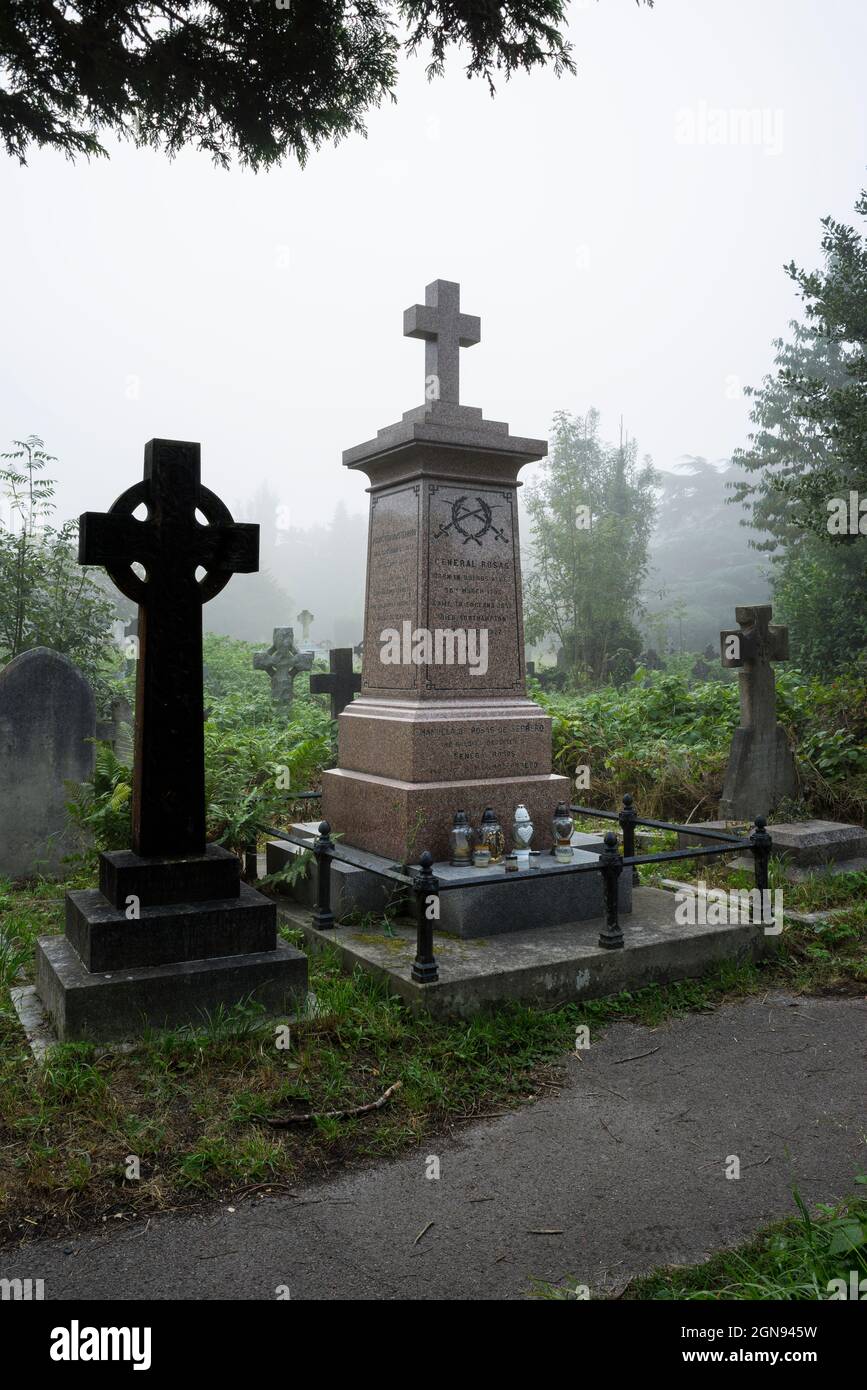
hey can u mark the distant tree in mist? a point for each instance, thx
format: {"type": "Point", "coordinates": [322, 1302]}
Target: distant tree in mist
{"type": "Point", "coordinates": [46, 598]}
{"type": "Point", "coordinates": [591, 514]}
{"type": "Point", "coordinates": [808, 447]}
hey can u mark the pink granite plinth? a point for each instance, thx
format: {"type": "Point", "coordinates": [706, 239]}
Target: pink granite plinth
{"type": "Point", "coordinates": [425, 741]}
{"type": "Point", "coordinates": [399, 819]}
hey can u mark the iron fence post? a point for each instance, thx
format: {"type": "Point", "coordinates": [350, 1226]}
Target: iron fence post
{"type": "Point", "coordinates": [628, 818]}
{"type": "Point", "coordinates": [424, 968]}
{"type": "Point", "coordinates": [611, 864]}
{"type": "Point", "coordinates": [323, 917]}
{"type": "Point", "coordinates": [761, 844]}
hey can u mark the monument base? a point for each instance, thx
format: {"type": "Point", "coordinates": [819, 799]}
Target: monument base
{"type": "Point", "coordinates": [86, 1007]}
{"type": "Point", "coordinates": [502, 902]}
{"type": "Point", "coordinates": [401, 819]}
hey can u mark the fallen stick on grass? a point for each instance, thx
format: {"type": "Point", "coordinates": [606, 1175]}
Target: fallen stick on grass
{"type": "Point", "coordinates": [335, 1114]}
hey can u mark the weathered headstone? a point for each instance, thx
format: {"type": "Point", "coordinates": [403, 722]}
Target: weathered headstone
{"type": "Point", "coordinates": [429, 737]}
{"type": "Point", "coordinates": [47, 724]}
{"type": "Point", "coordinates": [342, 684]}
{"type": "Point", "coordinates": [171, 934]}
{"type": "Point", "coordinates": [761, 768]}
{"type": "Point", "coordinates": [283, 662]}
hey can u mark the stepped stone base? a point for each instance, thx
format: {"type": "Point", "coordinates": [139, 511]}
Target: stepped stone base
{"type": "Point", "coordinates": [196, 939]}
{"type": "Point", "coordinates": [123, 1004]}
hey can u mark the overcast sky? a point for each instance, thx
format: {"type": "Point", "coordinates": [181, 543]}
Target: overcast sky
{"type": "Point", "coordinates": [616, 256]}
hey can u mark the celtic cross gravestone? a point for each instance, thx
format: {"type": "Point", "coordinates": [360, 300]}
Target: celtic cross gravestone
{"type": "Point", "coordinates": [283, 663]}
{"type": "Point", "coordinates": [171, 934]}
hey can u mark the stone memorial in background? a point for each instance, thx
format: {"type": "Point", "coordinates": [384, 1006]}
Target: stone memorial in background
{"type": "Point", "coordinates": [761, 768]}
{"type": "Point", "coordinates": [283, 662]}
{"type": "Point", "coordinates": [116, 730]}
{"type": "Point", "coordinates": [171, 934]}
{"type": "Point", "coordinates": [426, 737]}
{"type": "Point", "coordinates": [305, 618]}
{"type": "Point", "coordinates": [47, 726]}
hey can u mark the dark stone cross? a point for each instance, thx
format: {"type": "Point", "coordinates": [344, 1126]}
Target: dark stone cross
{"type": "Point", "coordinates": [283, 663]}
{"type": "Point", "coordinates": [171, 544]}
{"type": "Point", "coordinates": [343, 682]}
{"type": "Point", "coordinates": [445, 331]}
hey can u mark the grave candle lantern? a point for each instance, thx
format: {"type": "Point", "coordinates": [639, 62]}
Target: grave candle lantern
{"type": "Point", "coordinates": [491, 837]}
{"type": "Point", "coordinates": [461, 839]}
{"type": "Point", "coordinates": [563, 825]}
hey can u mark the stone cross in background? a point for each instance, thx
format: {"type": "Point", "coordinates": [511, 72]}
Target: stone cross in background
{"type": "Point", "coordinates": [305, 618]}
{"type": "Point", "coordinates": [283, 663]}
{"type": "Point", "coordinates": [342, 683]}
{"type": "Point", "coordinates": [168, 804]}
{"type": "Point", "coordinates": [761, 769]}
{"type": "Point", "coordinates": [445, 331]}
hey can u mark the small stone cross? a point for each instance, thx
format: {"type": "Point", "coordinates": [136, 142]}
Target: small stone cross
{"type": "Point", "coordinates": [283, 663]}
{"type": "Point", "coordinates": [445, 331]}
{"type": "Point", "coordinates": [341, 684]}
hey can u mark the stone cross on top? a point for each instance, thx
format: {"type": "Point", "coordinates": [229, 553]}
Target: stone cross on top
{"type": "Point", "coordinates": [445, 331]}
{"type": "Point", "coordinates": [171, 544]}
{"type": "Point", "coordinates": [341, 684]}
{"type": "Point", "coordinates": [283, 663]}
{"type": "Point", "coordinates": [751, 648]}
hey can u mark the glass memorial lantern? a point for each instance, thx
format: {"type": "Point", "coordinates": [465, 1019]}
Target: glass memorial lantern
{"type": "Point", "coordinates": [461, 840]}
{"type": "Point", "coordinates": [490, 837]}
{"type": "Point", "coordinates": [563, 825]}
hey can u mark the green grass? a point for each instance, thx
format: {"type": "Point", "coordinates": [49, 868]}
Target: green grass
{"type": "Point", "coordinates": [189, 1104]}
{"type": "Point", "coordinates": [792, 1260]}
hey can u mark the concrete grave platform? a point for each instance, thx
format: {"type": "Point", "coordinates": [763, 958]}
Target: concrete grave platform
{"type": "Point", "coordinates": [509, 902]}
{"type": "Point", "coordinates": [547, 965]}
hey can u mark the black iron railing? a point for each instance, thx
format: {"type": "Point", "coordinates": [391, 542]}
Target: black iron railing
{"type": "Point", "coordinates": [426, 887]}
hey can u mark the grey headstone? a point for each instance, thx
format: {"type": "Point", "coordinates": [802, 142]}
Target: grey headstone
{"type": "Point", "coordinates": [47, 716]}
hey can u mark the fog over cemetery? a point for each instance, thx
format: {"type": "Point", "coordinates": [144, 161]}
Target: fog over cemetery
{"type": "Point", "coordinates": [433, 658]}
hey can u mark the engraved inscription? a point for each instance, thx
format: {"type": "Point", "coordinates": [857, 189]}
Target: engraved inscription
{"type": "Point", "coordinates": [392, 584]}
{"type": "Point", "coordinates": [473, 582]}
